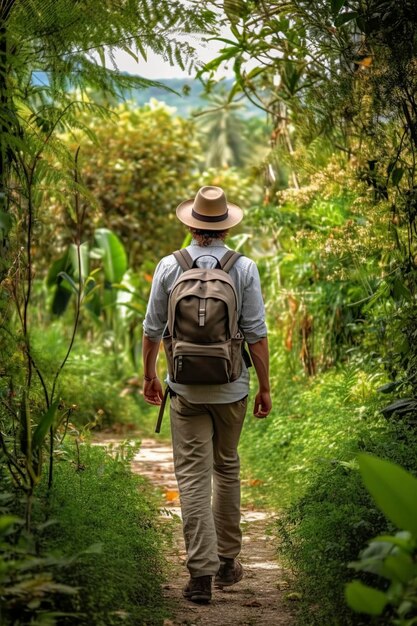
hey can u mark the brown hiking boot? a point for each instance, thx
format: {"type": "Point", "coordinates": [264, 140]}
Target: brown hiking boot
{"type": "Point", "coordinates": [230, 572]}
{"type": "Point", "coordinates": [198, 589]}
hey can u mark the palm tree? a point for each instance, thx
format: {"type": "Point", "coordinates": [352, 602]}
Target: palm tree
{"type": "Point", "coordinates": [223, 130]}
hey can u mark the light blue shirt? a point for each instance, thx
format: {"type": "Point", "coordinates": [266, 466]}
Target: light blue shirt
{"type": "Point", "coordinates": [251, 315]}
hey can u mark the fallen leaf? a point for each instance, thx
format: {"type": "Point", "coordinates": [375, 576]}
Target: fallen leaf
{"type": "Point", "coordinates": [171, 495]}
{"type": "Point", "coordinates": [365, 62]}
{"type": "Point", "coordinates": [293, 596]}
{"type": "Point", "coordinates": [283, 584]}
{"type": "Point", "coordinates": [255, 482]}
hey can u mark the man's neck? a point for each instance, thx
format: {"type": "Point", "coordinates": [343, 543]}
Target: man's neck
{"type": "Point", "coordinates": [214, 242]}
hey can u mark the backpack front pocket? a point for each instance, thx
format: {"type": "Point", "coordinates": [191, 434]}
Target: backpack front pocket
{"type": "Point", "coordinates": [236, 356]}
{"type": "Point", "coordinates": [201, 364]}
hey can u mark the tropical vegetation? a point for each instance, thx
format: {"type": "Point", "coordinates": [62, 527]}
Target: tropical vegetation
{"type": "Point", "coordinates": [89, 182]}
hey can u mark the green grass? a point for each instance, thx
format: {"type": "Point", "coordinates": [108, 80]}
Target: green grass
{"type": "Point", "coordinates": [304, 457]}
{"type": "Point", "coordinates": [300, 461]}
{"type": "Point", "coordinates": [101, 384]}
{"type": "Point", "coordinates": [97, 500]}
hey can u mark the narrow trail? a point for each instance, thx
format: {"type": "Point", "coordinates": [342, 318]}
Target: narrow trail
{"type": "Point", "coordinates": [259, 599]}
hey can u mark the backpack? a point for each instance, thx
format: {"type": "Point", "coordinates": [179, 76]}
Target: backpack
{"type": "Point", "coordinates": [202, 340]}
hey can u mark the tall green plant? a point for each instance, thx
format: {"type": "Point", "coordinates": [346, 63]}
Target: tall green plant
{"type": "Point", "coordinates": [26, 459]}
{"type": "Point", "coordinates": [27, 582]}
{"type": "Point", "coordinates": [136, 168]}
{"type": "Point", "coordinates": [51, 53]}
{"type": "Point", "coordinates": [391, 557]}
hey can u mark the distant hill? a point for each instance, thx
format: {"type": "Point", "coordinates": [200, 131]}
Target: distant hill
{"type": "Point", "coordinates": [189, 94]}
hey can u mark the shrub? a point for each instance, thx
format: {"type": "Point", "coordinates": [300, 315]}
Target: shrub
{"type": "Point", "coordinates": [96, 499]}
{"type": "Point", "coordinates": [391, 558]}
{"type": "Point", "coordinates": [302, 461]}
{"type": "Point", "coordinates": [29, 593]}
{"type": "Point", "coordinates": [147, 163]}
{"type": "Point", "coordinates": [324, 530]}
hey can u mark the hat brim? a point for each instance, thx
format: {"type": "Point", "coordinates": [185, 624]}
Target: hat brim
{"type": "Point", "coordinates": [184, 214]}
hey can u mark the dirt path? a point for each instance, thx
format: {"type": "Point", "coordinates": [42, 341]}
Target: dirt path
{"type": "Point", "coordinates": [260, 598]}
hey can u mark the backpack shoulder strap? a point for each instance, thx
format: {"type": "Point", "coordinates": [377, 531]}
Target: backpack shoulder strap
{"type": "Point", "coordinates": [229, 259]}
{"type": "Point", "coordinates": [184, 259]}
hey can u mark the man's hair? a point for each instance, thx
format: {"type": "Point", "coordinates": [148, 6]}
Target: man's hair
{"type": "Point", "coordinates": [205, 237]}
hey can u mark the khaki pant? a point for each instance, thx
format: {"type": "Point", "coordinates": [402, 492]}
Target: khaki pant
{"type": "Point", "coordinates": [205, 439]}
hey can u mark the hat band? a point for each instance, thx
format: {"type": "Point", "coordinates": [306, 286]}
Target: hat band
{"type": "Point", "coordinates": [209, 218]}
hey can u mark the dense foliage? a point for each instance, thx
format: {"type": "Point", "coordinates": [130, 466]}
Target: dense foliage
{"type": "Point", "coordinates": [103, 568]}
{"type": "Point", "coordinates": [66, 43]}
{"type": "Point", "coordinates": [328, 187]}
{"type": "Point", "coordinates": [147, 159]}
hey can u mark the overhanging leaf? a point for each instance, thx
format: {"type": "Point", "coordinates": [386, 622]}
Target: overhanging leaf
{"type": "Point", "coordinates": [393, 489]}
{"type": "Point", "coordinates": [403, 406]}
{"type": "Point", "coordinates": [401, 539]}
{"type": "Point", "coordinates": [388, 387]}
{"type": "Point", "coordinates": [60, 265]}
{"type": "Point", "coordinates": [6, 521]}
{"type": "Point", "coordinates": [344, 18]}
{"type": "Point", "coordinates": [364, 599]}
{"type": "Point", "coordinates": [114, 259]}
{"type": "Point", "coordinates": [397, 175]}
{"type": "Point", "coordinates": [61, 299]}
{"type": "Point", "coordinates": [70, 281]}
{"type": "Point", "coordinates": [83, 261]}
{"type": "Point", "coordinates": [234, 9]}
{"type": "Point", "coordinates": [400, 567]}
{"type": "Point", "coordinates": [399, 290]}
{"type": "Point", "coordinates": [337, 5]}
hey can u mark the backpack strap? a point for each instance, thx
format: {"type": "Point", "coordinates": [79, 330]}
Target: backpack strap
{"type": "Point", "coordinates": [161, 411]}
{"type": "Point", "coordinates": [183, 259]}
{"type": "Point", "coordinates": [229, 259]}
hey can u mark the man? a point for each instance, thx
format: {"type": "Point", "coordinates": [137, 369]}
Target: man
{"type": "Point", "coordinates": [206, 420]}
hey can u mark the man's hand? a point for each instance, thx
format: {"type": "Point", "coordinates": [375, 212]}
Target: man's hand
{"type": "Point", "coordinates": [152, 391]}
{"type": "Point", "coordinates": [263, 404]}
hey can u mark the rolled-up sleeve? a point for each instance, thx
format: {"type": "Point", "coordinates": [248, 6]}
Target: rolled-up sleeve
{"type": "Point", "coordinates": [252, 317]}
{"type": "Point", "coordinates": [157, 309]}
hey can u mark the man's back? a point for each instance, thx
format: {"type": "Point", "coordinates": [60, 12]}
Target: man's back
{"type": "Point", "coordinates": [251, 313]}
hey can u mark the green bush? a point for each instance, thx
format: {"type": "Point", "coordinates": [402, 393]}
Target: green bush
{"type": "Point", "coordinates": [391, 558]}
{"type": "Point", "coordinates": [302, 461]}
{"type": "Point", "coordinates": [29, 593]}
{"type": "Point", "coordinates": [97, 500]}
{"type": "Point", "coordinates": [319, 534]}
{"type": "Point", "coordinates": [324, 530]}
{"type": "Point", "coordinates": [311, 421]}
{"type": "Point", "coordinates": [147, 162]}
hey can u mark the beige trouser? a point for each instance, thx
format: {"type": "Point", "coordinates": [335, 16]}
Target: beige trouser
{"type": "Point", "coordinates": [205, 439]}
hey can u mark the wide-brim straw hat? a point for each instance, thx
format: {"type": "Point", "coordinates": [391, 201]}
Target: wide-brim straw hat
{"type": "Point", "coordinates": [209, 210]}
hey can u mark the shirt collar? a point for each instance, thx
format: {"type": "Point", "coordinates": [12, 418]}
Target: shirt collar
{"type": "Point", "coordinates": [215, 242]}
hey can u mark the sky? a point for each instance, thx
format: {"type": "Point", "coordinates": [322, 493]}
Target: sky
{"type": "Point", "coordinates": [156, 67]}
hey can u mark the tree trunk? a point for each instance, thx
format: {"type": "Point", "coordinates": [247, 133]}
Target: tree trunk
{"type": "Point", "coordinates": [5, 103]}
